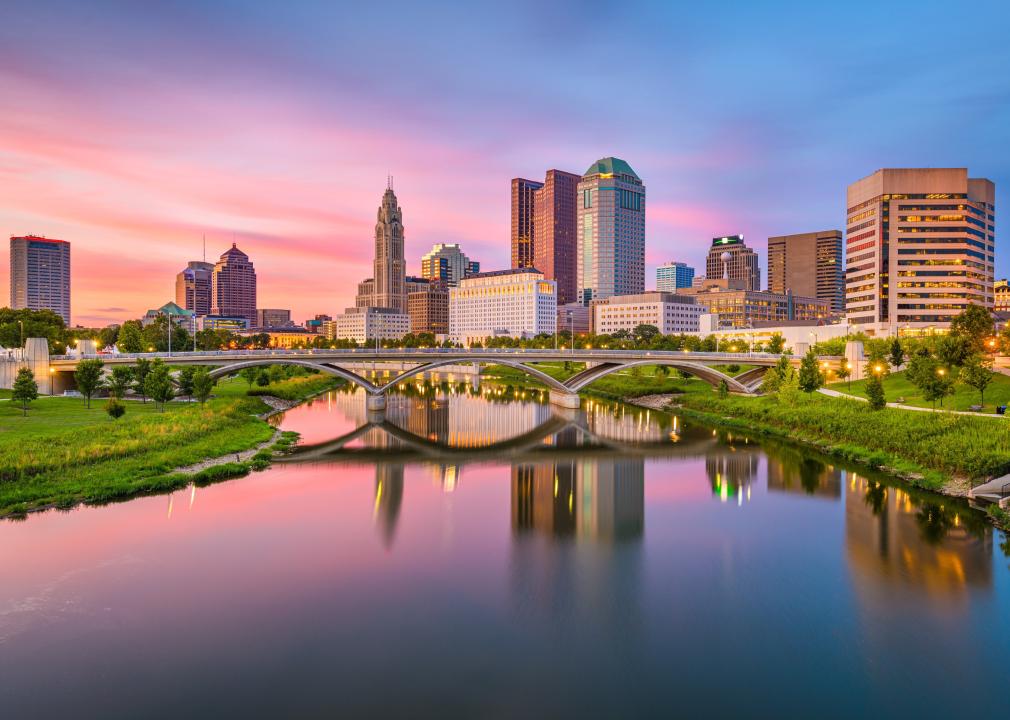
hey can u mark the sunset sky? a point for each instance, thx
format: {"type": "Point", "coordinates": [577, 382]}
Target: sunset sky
{"type": "Point", "coordinates": [133, 129]}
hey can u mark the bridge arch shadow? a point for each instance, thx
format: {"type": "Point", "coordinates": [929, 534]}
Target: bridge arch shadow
{"type": "Point", "coordinates": [336, 371]}
{"type": "Point", "coordinates": [702, 372]}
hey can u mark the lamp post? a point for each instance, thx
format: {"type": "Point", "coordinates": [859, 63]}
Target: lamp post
{"type": "Point", "coordinates": [848, 368]}
{"type": "Point", "coordinates": [941, 372]}
{"type": "Point", "coordinates": [571, 329]}
{"type": "Point", "coordinates": [22, 324]}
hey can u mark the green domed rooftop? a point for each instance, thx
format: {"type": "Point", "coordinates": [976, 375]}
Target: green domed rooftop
{"type": "Point", "coordinates": [610, 166]}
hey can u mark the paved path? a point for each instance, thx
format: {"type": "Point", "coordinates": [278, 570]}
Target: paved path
{"type": "Point", "coordinates": [900, 406]}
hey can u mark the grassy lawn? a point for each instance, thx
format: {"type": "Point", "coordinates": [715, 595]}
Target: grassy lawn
{"type": "Point", "coordinates": [621, 384]}
{"type": "Point", "coordinates": [925, 448]}
{"type": "Point", "coordinates": [897, 386]}
{"type": "Point", "coordinates": [63, 453]}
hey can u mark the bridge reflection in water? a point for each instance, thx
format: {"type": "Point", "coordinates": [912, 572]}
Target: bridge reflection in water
{"type": "Point", "coordinates": [581, 475]}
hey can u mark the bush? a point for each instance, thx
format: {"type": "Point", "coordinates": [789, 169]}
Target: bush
{"type": "Point", "coordinates": [115, 408]}
{"type": "Point", "coordinates": [875, 393]}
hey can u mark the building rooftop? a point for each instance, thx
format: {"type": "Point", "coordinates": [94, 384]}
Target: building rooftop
{"type": "Point", "coordinates": [510, 271]}
{"type": "Point", "coordinates": [610, 166]}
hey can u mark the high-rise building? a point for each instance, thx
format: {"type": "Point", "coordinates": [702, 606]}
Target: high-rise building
{"type": "Point", "coordinates": [554, 228]}
{"type": "Point", "coordinates": [522, 221]}
{"type": "Point", "coordinates": [446, 263]}
{"type": "Point", "coordinates": [809, 264]}
{"type": "Point", "coordinates": [611, 231]}
{"type": "Point", "coordinates": [519, 303]}
{"type": "Point", "coordinates": [390, 267]}
{"type": "Point", "coordinates": [193, 287]}
{"type": "Point", "coordinates": [272, 318]}
{"type": "Point", "coordinates": [40, 275]}
{"type": "Point", "coordinates": [672, 276]}
{"type": "Point", "coordinates": [233, 286]}
{"type": "Point", "coordinates": [729, 258]}
{"type": "Point", "coordinates": [919, 248]}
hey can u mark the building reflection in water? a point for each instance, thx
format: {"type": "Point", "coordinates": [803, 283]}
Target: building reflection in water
{"type": "Point", "coordinates": [388, 499]}
{"type": "Point", "coordinates": [601, 498]}
{"type": "Point", "coordinates": [793, 471]}
{"type": "Point", "coordinates": [732, 468]}
{"type": "Point", "coordinates": [921, 543]}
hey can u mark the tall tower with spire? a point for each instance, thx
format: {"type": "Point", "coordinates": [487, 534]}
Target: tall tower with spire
{"type": "Point", "coordinates": [390, 267]}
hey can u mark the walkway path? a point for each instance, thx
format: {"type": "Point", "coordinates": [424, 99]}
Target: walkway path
{"type": "Point", "coordinates": [901, 406]}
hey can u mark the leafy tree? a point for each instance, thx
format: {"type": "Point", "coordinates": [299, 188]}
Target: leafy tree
{"type": "Point", "coordinates": [140, 372]}
{"type": "Point", "coordinates": [263, 378]}
{"type": "Point", "coordinates": [25, 389]}
{"type": "Point", "coordinates": [954, 350]}
{"type": "Point", "coordinates": [897, 354]}
{"type": "Point", "coordinates": [875, 393]}
{"type": "Point", "coordinates": [130, 339]}
{"type": "Point", "coordinates": [977, 373]}
{"type": "Point", "coordinates": [842, 371]}
{"type": "Point", "coordinates": [973, 326]}
{"type": "Point", "coordinates": [158, 384]}
{"type": "Point", "coordinates": [36, 323]}
{"type": "Point", "coordinates": [89, 378]}
{"type": "Point", "coordinates": [203, 385]}
{"type": "Point", "coordinates": [661, 372]}
{"type": "Point", "coordinates": [723, 389]}
{"type": "Point", "coordinates": [645, 333]}
{"type": "Point", "coordinates": [810, 373]}
{"type": "Point", "coordinates": [776, 344]}
{"type": "Point", "coordinates": [789, 390]}
{"type": "Point", "coordinates": [108, 336]}
{"type": "Point", "coordinates": [249, 374]}
{"type": "Point", "coordinates": [185, 380]}
{"type": "Point", "coordinates": [120, 381]}
{"type": "Point", "coordinates": [115, 408]}
{"type": "Point", "coordinates": [878, 365]}
{"type": "Point", "coordinates": [773, 378]}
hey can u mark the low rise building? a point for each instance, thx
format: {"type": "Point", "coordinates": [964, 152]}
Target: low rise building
{"type": "Point", "coordinates": [1001, 290]}
{"type": "Point", "coordinates": [272, 317]}
{"type": "Point", "coordinates": [574, 317]}
{"type": "Point", "coordinates": [178, 315]}
{"type": "Point", "coordinates": [670, 312]}
{"type": "Point", "coordinates": [428, 308]}
{"type": "Point", "coordinates": [364, 324]}
{"type": "Point", "coordinates": [739, 307]}
{"type": "Point", "coordinates": [518, 303]}
{"type": "Point", "coordinates": [222, 322]}
{"type": "Point", "coordinates": [287, 337]}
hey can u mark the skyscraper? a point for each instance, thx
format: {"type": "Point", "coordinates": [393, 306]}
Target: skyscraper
{"type": "Point", "coordinates": [809, 264]}
{"type": "Point", "coordinates": [448, 264]}
{"type": "Point", "coordinates": [611, 231]}
{"type": "Point", "coordinates": [40, 275]}
{"type": "Point", "coordinates": [919, 247]}
{"type": "Point", "coordinates": [671, 276]}
{"type": "Point", "coordinates": [730, 258]}
{"type": "Point", "coordinates": [522, 221]}
{"type": "Point", "coordinates": [233, 286]}
{"type": "Point", "coordinates": [193, 287]}
{"type": "Point", "coordinates": [554, 228]}
{"type": "Point", "coordinates": [390, 268]}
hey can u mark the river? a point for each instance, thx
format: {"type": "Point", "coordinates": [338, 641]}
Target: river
{"type": "Point", "coordinates": [479, 556]}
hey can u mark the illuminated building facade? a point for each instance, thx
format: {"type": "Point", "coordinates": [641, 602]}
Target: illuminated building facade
{"type": "Point", "coordinates": [233, 286]}
{"type": "Point", "coordinates": [40, 275]}
{"type": "Point", "coordinates": [522, 221]}
{"type": "Point", "coordinates": [193, 287]}
{"type": "Point", "coordinates": [729, 258]}
{"type": "Point", "coordinates": [672, 276]}
{"type": "Point", "coordinates": [518, 303]}
{"type": "Point", "coordinates": [919, 249]}
{"type": "Point", "coordinates": [554, 231]}
{"type": "Point", "coordinates": [668, 312]}
{"type": "Point", "coordinates": [808, 264]}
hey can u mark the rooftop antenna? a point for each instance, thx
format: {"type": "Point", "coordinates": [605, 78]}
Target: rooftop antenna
{"type": "Point", "coordinates": [389, 181]}
{"type": "Point", "coordinates": [205, 247]}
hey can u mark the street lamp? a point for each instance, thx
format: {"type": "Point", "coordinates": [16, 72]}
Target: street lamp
{"type": "Point", "coordinates": [941, 372]}
{"type": "Point", "coordinates": [22, 324]}
{"type": "Point", "coordinates": [848, 368]}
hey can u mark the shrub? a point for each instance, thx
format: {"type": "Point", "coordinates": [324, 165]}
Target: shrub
{"type": "Point", "coordinates": [875, 393]}
{"type": "Point", "coordinates": [115, 408]}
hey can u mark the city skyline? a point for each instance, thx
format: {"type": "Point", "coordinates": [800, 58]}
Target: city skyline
{"type": "Point", "coordinates": [164, 151]}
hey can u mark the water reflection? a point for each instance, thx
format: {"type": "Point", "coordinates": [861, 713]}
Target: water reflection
{"type": "Point", "coordinates": [603, 498]}
{"type": "Point", "coordinates": [791, 470]}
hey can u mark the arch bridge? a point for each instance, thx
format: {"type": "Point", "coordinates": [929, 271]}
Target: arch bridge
{"type": "Point", "coordinates": [414, 362]}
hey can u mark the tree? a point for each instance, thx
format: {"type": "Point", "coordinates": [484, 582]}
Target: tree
{"type": "Point", "coordinates": [776, 344]}
{"type": "Point", "coordinates": [897, 354]}
{"type": "Point", "coordinates": [645, 333]}
{"type": "Point", "coordinates": [789, 390]}
{"type": "Point", "coordinates": [973, 326]}
{"type": "Point", "coordinates": [159, 384]}
{"type": "Point", "coordinates": [263, 378]}
{"type": "Point", "coordinates": [130, 339]}
{"type": "Point", "coordinates": [16, 325]}
{"type": "Point", "coordinates": [878, 365]}
{"type": "Point", "coordinates": [108, 336]}
{"type": "Point", "coordinates": [842, 371]}
{"type": "Point", "coordinates": [203, 385]}
{"type": "Point", "coordinates": [89, 378]}
{"type": "Point", "coordinates": [723, 389]}
{"type": "Point", "coordinates": [875, 393]}
{"type": "Point", "coordinates": [954, 350]}
{"type": "Point", "coordinates": [115, 408]}
{"type": "Point", "coordinates": [810, 373]}
{"type": "Point", "coordinates": [140, 372]}
{"type": "Point", "coordinates": [185, 380]}
{"type": "Point", "coordinates": [662, 372]}
{"type": "Point", "coordinates": [977, 374]}
{"type": "Point", "coordinates": [249, 374]}
{"type": "Point", "coordinates": [25, 389]}
{"type": "Point", "coordinates": [773, 378]}
{"type": "Point", "coordinates": [120, 381]}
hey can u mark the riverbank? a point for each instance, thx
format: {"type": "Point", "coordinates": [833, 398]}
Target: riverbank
{"type": "Point", "coordinates": [63, 454]}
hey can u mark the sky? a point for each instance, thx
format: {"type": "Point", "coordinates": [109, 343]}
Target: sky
{"type": "Point", "coordinates": [133, 130]}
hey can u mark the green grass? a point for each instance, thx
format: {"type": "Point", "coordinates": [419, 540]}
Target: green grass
{"type": "Point", "coordinates": [924, 448]}
{"type": "Point", "coordinates": [897, 386]}
{"type": "Point", "coordinates": [63, 453]}
{"type": "Point", "coordinates": [298, 387]}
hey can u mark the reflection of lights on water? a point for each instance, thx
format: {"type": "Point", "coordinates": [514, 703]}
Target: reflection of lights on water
{"type": "Point", "coordinates": [170, 500]}
{"type": "Point", "coordinates": [378, 499]}
{"type": "Point", "coordinates": [192, 495]}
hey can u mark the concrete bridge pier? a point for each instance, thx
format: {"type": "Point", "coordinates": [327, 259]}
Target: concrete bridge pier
{"type": "Point", "coordinates": [566, 400]}
{"type": "Point", "coordinates": [375, 406]}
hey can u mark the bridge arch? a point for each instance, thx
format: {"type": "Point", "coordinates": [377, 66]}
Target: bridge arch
{"type": "Point", "coordinates": [540, 375]}
{"type": "Point", "coordinates": [280, 360]}
{"type": "Point", "coordinates": [702, 372]}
